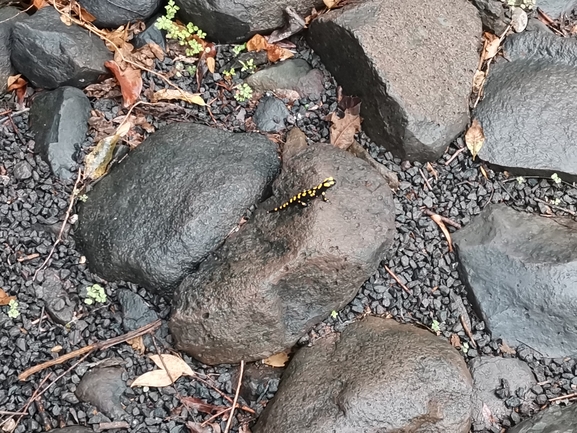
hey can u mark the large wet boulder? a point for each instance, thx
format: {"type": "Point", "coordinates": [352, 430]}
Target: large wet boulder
{"type": "Point", "coordinates": [8, 17]}
{"type": "Point", "coordinates": [230, 21]}
{"type": "Point", "coordinates": [521, 270]}
{"type": "Point", "coordinates": [115, 13]}
{"type": "Point", "coordinates": [157, 215]}
{"type": "Point", "coordinates": [390, 54]}
{"type": "Point", "coordinates": [51, 54]}
{"type": "Point", "coordinates": [284, 272]}
{"type": "Point", "coordinates": [555, 8]}
{"type": "Point", "coordinates": [525, 132]}
{"type": "Point", "coordinates": [377, 376]}
{"type": "Point", "coordinates": [59, 122]}
{"type": "Point", "coordinates": [554, 419]}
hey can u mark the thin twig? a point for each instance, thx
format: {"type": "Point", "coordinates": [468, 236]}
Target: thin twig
{"type": "Point", "coordinates": [223, 395]}
{"type": "Point", "coordinates": [113, 425]}
{"type": "Point", "coordinates": [444, 219]}
{"type": "Point", "coordinates": [229, 422]}
{"type": "Point", "coordinates": [563, 397]}
{"type": "Point", "coordinates": [24, 409]}
{"type": "Point", "coordinates": [399, 282]}
{"type": "Point", "coordinates": [66, 218]}
{"type": "Point", "coordinates": [555, 206]}
{"type": "Point", "coordinates": [462, 149]}
{"type": "Point", "coordinates": [425, 179]}
{"type": "Point", "coordinates": [467, 331]}
{"type": "Point", "coordinates": [101, 345]}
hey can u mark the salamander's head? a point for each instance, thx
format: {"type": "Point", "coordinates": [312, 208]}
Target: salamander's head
{"type": "Point", "coordinates": [328, 182]}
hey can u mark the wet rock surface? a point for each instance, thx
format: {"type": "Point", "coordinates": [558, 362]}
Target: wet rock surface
{"type": "Point", "coordinates": [555, 419]}
{"type": "Point", "coordinates": [393, 365]}
{"type": "Point", "coordinates": [8, 16]}
{"type": "Point", "coordinates": [103, 386]}
{"type": "Point", "coordinates": [114, 13]}
{"type": "Point", "coordinates": [270, 115]}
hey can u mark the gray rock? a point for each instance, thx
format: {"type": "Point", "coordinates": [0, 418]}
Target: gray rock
{"type": "Point", "coordinates": [103, 387]}
{"type": "Point", "coordinates": [270, 114]}
{"type": "Point", "coordinates": [284, 272]}
{"type": "Point", "coordinates": [115, 13]}
{"type": "Point", "coordinates": [378, 376]}
{"type": "Point", "coordinates": [22, 170]}
{"type": "Point", "coordinates": [555, 8]}
{"type": "Point", "coordinates": [524, 132]}
{"type": "Point", "coordinates": [73, 429]}
{"type": "Point", "coordinates": [554, 419]}
{"type": "Point", "coordinates": [54, 292]}
{"type": "Point", "coordinates": [521, 270]}
{"type": "Point", "coordinates": [492, 14]}
{"type": "Point", "coordinates": [408, 106]}
{"type": "Point", "coordinates": [174, 199]}
{"type": "Point", "coordinates": [78, 61]}
{"type": "Point", "coordinates": [136, 312]}
{"type": "Point", "coordinates": [487, 372]}
{"type": "Point", "coordinates": [59, 121]}
{"type": "Point", "coordinates": [292, 74]}
{"type": "Point", "coordinates": [8, 17]}
{"type": "Point", "coordinates": [235, 21]}
{"type": "Point", "coordinates": [151, 34]}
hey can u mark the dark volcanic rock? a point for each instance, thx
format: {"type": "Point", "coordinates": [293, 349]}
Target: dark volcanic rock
{"type": "Point", "coordinates": [270, 115]}
{"type": "Point", "coordinates": [102, 387]}
{"type": "Point", "coordinates": [155, 216]}
{"type": "Point", "coordinates": [236, 21]}
{"type": "Point", "coordinates": [408, 106]}
{"type": "Point", "coordinates": [115, 13]}
{"type": "Point", "coordinates": [522, 272]}
{"type": "Point", "coordinates": [378, 376]}
{"type": "Point", "coordinates": [73, 429]}
{"type": "Point", "coordinates": [524, 132]}
{"type": "Point", "coordinates": [135, 310]}
{"type": "Point", "coordinates": [59, 121]}
{"type": "Point", "coordinates": [8, 17]}
{"type": "Point", "coordinates": [54, 292]}
{"type": "Point", "coordinates": [487, 372]}
{"type": "Point", "coordinates": [51, 54]}
{"type": "Point", "coordinates": [554, 419]}
{"type": "Point", "coordinates": [492, 14]}
{"type": "Point", "coordinates": [556, 8]}
{"type": "Point", "coordinates": [284, 272]}
{"type": "Point", "coordinates": [151, 34]}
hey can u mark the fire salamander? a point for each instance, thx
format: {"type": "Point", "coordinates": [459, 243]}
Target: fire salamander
{"type": "Point", "coordinates": [305, 196]}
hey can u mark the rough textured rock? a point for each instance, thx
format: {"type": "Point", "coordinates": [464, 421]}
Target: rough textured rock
{"type": "Point", "coordinates": [292, 74]}
{"type": "Point", "coordinates": [270, 115]}
{"type": "Point", "coordinates": [555, 8]}
{"type": "Point", "coordinates": [155, 216]}
{"type": "Point", "coordinates": [73, 429]}
{"type": "Point", "coordinates": [59, 121]}
{"type": "Point", "coordinates": [554, 419]}
{"type": "Point", "coordinates": [135, 311]}
{"type": "Point", "coordinates": [408, 106]}
{"type": "Point", "coordinates": [493, 16]}
{"type": "Point", "coordinates": [8, 17]}
{"type": "Point", "coordinates": [102, 387]}
{"type": "Point", "coordinates": [521, 270]}
{"type": "Point", "coordinates": [115, 13]}
{"type": "Point", "coordinates": [487, 374]}
{"type": "Point", "coordinates": [524, 132]}
{"type": "Point", "coordinates": [151, 34]}
{"type": "Point", "coordinates": [53, 290]}
{"type": "Point", "coordinates": [236, 21]}
{"type": "Point", "coordinates": [78, 61]}
{"type": "Point", "coordinates": [379, 376]}
{"type": "Point", "coordinates": [285, 271]}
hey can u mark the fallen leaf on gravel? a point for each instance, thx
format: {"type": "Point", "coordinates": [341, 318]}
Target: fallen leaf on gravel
{"type": "Point", "coordinates": [171, 94]}
{"type": "Point", "coordinates": [277, 360]}
{"type": "Point", "coordinates": [201, 406]}
{"type": "Point", "coordinates": [9, 425]}
{"type": "Point", "coordinates": [478, 81]}
{"type": "Point", "coordinates": [274, 52]}
{"type": "Point", "coordinates": [443, 227]}
{"type": "Point", "coordinates": [156, 378]}
{"type": "Point", "coordinates": [491, 47]}
{"type": "Point", "coordinates": [506, 349]}
{"type": "Point", "coordinates": [455, 341]}
{"type": "Point", "coordinates": [137, 343]}
{"type": "Point", "coordinates": [39, 4]}
{"type": "Point", "coordinates": [97, 161]}
{"type": "Point", "coordinates": [344, 128]}
{"type": "Point", "coordinates": [130, 81]}
{"type": "Point", "coordinates": [330, 4]}
{"type": "Point", "coordinates": [5, 299]}
{"type": "Point", "coordinates": [175, 365]}
{"type": "Point", "coordinates": [474, 137]}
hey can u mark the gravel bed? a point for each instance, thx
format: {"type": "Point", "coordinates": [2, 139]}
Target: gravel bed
{"type": "Point", "coordinates": [33, 204]}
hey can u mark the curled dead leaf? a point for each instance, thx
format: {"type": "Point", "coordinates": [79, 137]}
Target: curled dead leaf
{"type": "Point", "coordinates": [172, 94]}
{"type": "Point", "coordinates": [174, 364]}
{"type": "Point", "coordinates": [491, 46]}
{"type": "Point", "coordinates": [130, 81]}
{"type": "Point", "coordinates": [155, 378]}
{"type": "Point", "coordinates": [474, 138]}
{"type": "Point", "coordinates": [439, 221]}
{"type": "Point", "coordinates": [277, 360]}
{"type": "Point", "coordinates": [5, 299]}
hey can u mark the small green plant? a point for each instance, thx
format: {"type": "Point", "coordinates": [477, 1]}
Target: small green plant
{"type": "Point", "coordinates": [435, 326]}
{"type": "Point", "coordinates": [556, 201]}
{"type": "Point", "coordinates": [185, 35]}
{"type": "Point", "coordinates": [334, 314]}
{"type": "Point", "coordinates": [191, 69]}
{"type": "Point", "coordinates": [248, 66]}
{"type": "Point", "coordinates": [465, 347]}
{"type": "Point", "coordinates": [228, 74]}
{"type": "Point", "coordinates": [524, 4]}
{"type": "Point", "coordinates": [13, 312]}
{"type": "Point", "coordinates": [520, 180]}
{"type": "Point", "coordinates": [83, 198]}
{"type": "Point", "coordinates": [95, 293]}
{"type": "Point", "coordinates": [556, 178]}
{"type": "Point", "coordinates": [238, 49]}
{"type": "Point", "coordinates": [243, 92]}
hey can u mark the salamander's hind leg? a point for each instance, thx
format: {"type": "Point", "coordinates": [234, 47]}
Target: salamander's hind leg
{"type": "Point", "coordinates": [323, 195]}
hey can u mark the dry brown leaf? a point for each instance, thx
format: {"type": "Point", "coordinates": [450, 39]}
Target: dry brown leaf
{"type": "Point", "coordinates": [455, 341]}
{"type": "Point", "coordinates": [257, 43]}
{"type": "Point", "coordinates": [130, 81]}
{"type": "Point", "coordinates": [330, 4]}
{"type": "Point", "coordinates": [39, 4]}
{"type": "Point", "coordinates": [491, 47]}
{"type": "Point", "coordinates": [171, 94]}
{"type": "Point", "coordinates": [277, 360]}
{"type": "Point", "coordinates": [211, 64]}
{"type": "Point", "coordinates": [137, 343]}
{"type": "Point", "coordinates": [478, 81]}
{"type": "Point", "coordinates": [85, 15]}
{"type": "Point", "coordinates": [5, 299]}
{"type": "Point", "coordinates": [156, 378]}
{"type": "Point", "coordinates": [474, 138]}
{"type": "Point", "coordinates": [343, 129]}
{"type": "Point", "coordinates": [431, 170]}
{"type": "Point", "coordinates": [506, 349]}
{"type": "Point", "coordinates": [175, 365]}
{"type": "Point", "coordinates": [201, 406]}
{"type": "Point", "coordinates": [443, 227]}
{"type": "Point", "coordinates": [274, 52]}
{"type": "Point", "coordinates": [484, 172]}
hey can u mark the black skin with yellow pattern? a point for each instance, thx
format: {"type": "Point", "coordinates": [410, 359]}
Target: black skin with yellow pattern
{"type": "Point", "coordinates": [304, 197]}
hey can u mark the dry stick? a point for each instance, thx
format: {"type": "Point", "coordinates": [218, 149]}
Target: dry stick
{"type": "Point", "coordinates": [216, 415]}
{"type": "Point", "coordinates": [100, 345]}
{"type": "Point", "coordinates": [223, 395]}
{"type": "Point", "coordinates": [23, 410]}
{"type": "Point", "coordinates": [462, 149]}
{"type": "Point", "coordinates": [229, 422]}
{"type": "Point", "coordinates": [444, 219]}
{"type": "Point", "coordinates": [399, 282]}
{"type": "Point", "coordinates": [114, 424]}
{"type": "Point", "coordinates": [563, 397]}
{"type": "Point", "coordinates": [467, 331]}
{"type": "Point", "coordinates": [555, 206]}
{"type": "Point", "coordinates": [66, 218]}
{"type": "Point", "coordinates": [425, 179]}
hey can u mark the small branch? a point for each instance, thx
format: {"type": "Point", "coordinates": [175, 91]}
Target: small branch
{"type": "Point", "coordinates": [101, 345]}
{"type": "Point", "coordinates": [444, 219]}
{"type": "Point", "coordinates": [229, 422]}
{"type": "Point", "coordinates": [462, 149]}
{"type": "Point", "coordinates": [113, 425]}
{"type": "Point", "coordinates": [570, 212]}
{"type": "Point", "coordinates": [399, 282]}
{"type": "Point", "coordinates": [425, 179]}
{"type": "Point", "coordinates": [467, 331]}
{"type": "Point", "coordinates": [563, 397]}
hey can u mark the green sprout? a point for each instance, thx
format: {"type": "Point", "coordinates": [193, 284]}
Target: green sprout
{"type": "Point", "coordinates": [185, 35]}
{"type": "Point", "coordinates": [95, 293]}
{"type": "Point", "coordinates": [228, 74]}
{"type": "Point", "coordinates": [556, 201]}
{"type": "Point", "coordinates": [435, 326]}
{"type": "Point", "coordinates": [556, 178]}
{"type": "Point", "coordinates": [248, 66]}
{"type": "Point", "coordinates": [334, 314]}
{"type": "Point", "coordinates": [13, 312]}
{"type": "Point", "coordinates": [238, 48]}
{"type": "Point", "coordinates": [465, 347]}
{"type": "Point", "coordinates": [520, 180]}
{"type": "Point", "coordinates": [83, 198]}
{"type": "Point", "coordinates": [243, 92]}
{"type": "Point", "coordinates": [191, 69]}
